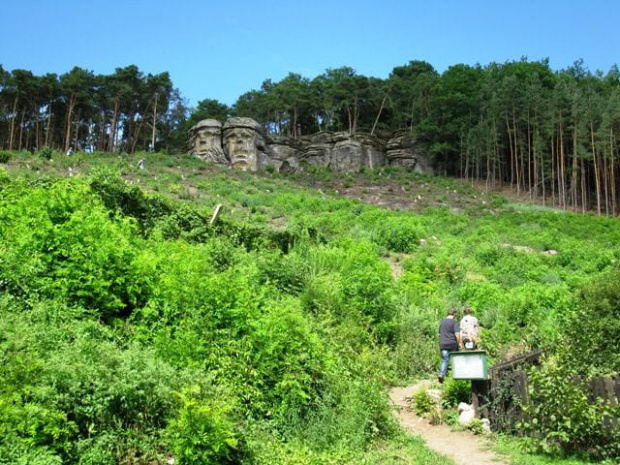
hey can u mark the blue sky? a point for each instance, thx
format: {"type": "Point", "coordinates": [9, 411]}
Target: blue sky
{"type": "Point", "coordinates": [223, 49]}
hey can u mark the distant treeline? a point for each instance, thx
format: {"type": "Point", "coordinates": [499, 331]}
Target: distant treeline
{"type": "Point", "coordinates": [123, 111]}
{"type": "Point", "coordinates": [552, 135]}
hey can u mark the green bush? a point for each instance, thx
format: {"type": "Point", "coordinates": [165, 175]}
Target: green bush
{"type": "Point", "coordinates": [416, 349]}
{"type": "Point", "coordinates": [61, 243]}
{"type": "Point", "coordinates": [66, 388]}
{"type": "Point", "coordinates": [592, 332]}
{"type": "Point", "coordinates": [120, 196]}
{"type": "Point", "coordinates": [560, 417]}
{"type": "Point", "coordinates": [423, 403]}
{"type": "Point", "coordinates": [288, 273]}
{"type": "Point", "coordinates": [454, 392]}
{"type": "Point", "coordinates": [205, 430]}
{"type": "Point", "coordinates": [396, 234]}
{"type": "Point", "coordinates": [45, 153]}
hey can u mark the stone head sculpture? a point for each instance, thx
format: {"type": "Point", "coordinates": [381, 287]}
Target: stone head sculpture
{"type": "Point", "coordinates": [242, 142]}
{"type": "Point", "coordinates": [206, 140]}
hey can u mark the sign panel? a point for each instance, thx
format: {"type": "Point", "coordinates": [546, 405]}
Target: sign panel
{"type": "Point", "coordinates": [469, 364]}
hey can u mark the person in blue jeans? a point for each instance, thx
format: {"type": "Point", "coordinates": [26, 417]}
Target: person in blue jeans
{"type": "Point", "coordinates": [449, 340]}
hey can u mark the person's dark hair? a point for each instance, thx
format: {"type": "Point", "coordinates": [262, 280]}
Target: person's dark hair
{"type": "Point", "coordinates": [452, 312]}
{"type": "Point", "coordinates": [467, 311]}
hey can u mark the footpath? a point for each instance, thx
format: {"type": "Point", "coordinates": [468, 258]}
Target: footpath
{"type": "Point", "coordinates": [463, 447]}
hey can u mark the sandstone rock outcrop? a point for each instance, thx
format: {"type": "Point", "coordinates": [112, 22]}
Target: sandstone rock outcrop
{"type": "Point", "coordinates": [242, 144]}
{"type": "Point", "coordinates": [401, 151]}
{"type": "Point", "coordinates": [343, 153]}
{"type": "Point", "coordinates": [206, 141]}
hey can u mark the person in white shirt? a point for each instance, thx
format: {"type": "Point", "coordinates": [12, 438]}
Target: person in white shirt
{"type": "Point", "coordinates": [470, 336]}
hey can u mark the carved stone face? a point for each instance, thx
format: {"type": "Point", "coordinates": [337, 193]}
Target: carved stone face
{"type": "Point", "coordinates": [207, 141]}
{"type": "Point", "coordinates": [240, 147]}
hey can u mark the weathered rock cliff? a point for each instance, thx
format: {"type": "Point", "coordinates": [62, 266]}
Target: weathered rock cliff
{"type": "Point", "coordinates": [244, 145]}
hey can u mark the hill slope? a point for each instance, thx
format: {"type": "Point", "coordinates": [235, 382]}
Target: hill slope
{"type": "Point", "coordinates": [134, 330]}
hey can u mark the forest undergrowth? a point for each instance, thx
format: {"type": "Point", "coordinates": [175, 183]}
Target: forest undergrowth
{"type": "Point", "coordinates": [134, 328]}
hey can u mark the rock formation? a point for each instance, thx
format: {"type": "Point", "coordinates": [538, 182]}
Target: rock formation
{"type": "Point", "coordinates": [401, 151]}
{"type": "Point", "coordinates": [242, 144]}
{"type": "Point", "coordinates": [343, 153]}
{"type": "Point", "coordinates": [206, 141]}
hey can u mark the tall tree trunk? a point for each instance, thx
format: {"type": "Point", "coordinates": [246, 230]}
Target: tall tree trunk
{"type": "Point", "coordinates": [584, 187]}
{"type": "Point", "coordinates": [518, 168]}
{"type": "Point", "coordinates": [497, 174]}
{"type": "Point", "coordinates": [489, 154]}
{"type": "Point", "coordinates": [350, 118]}
{"type": "Point", "coordinates": [21, 130]}
{"type": "Point", "coordinates": [48, 130]}
{"type": "Point", "coordinates": [605, 178]}
{"type": "Point", "coordinates": [12, 125]}
{"type": "Point", "coordinates": [76, 132]}
{"type": "Point", "coordinates": [374, 125]}
{"type": "Point", "coordinates": [100, 143]}
{"type": "Point", "coordinates": [530, 187]}
{"type": "Point", "coordinates": [612, 174]}
{"type": "Point", "coordinates": [553, 169]}
{"type": "Point", "coordinates": [130, 124]}
{"type": "Point", "coordinates": [136, 134]}
{"type": "Point", "coordinates": [70, 108]}
{"type": "Point", "coordinates": [543, 182]}
{"type": "Point", "coordinates": [562, 168]}
{"type": "Point", "coordinates": [614, 189]}
{"type": "Point", "coordinates": [38, 136]}
{"type": "Point", "coordinates": [575, 169]}
{"type": "Point", "coordinates": [512, 162]}
{"type": "Point", "coordinates": [154, 122]}
{"type": "Point", "coordinates": [114, 126]}
{"type": "Point", "coordinates": [597, 181]}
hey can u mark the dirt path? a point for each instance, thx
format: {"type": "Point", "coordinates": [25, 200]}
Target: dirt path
{"type": "Point", "coordinates": [463, 447]}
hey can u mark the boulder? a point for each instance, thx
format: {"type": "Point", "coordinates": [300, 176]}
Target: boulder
{"type": "Point", "coordinates": [466, 414]}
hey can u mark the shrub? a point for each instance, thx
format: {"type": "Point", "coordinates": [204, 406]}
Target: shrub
{"type": "Point", "coordinates": [562, 419]}
{"type": "Point", "coordinates": [415, 349]}
{"type": "Point", "coordinates": [45, 153]}
{"type": "Point", "coordinates": [397, 234]}
{"type": "Point", "coordinates": [119, 196]}
{"type": "Point", "coordinates": [61, 243]}
{"type": "Point", "coordinates": [287, 272]}
{"type": "Point", "coordinates": [456, 391]}
{"type": "Point", "coordinates": [369, 288]}
{"type": "Point", "coordinates": [423, 403]}
{"type": "Point", "coordinates": [5, 156]}
{"type": "Point", "coordinates": [205, 430]}
{"type": "Point", "coordinates": [593, 330]}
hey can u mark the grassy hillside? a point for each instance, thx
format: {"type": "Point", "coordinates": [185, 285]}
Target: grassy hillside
{"type": "Point", "coordinates": [133, 330]}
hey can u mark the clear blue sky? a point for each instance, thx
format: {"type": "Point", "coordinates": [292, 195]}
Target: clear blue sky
{"type": "Point", "coordinates": [222, 49]}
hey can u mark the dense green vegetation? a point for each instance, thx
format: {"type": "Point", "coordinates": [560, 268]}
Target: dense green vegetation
{"type": "Point", "coordinates": [551, 135]}
{"type": "Point", "coordinates": [132, 330]}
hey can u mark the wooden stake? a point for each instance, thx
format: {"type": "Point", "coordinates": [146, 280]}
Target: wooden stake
{"type": "Point", "coordinates": [216, 214]}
